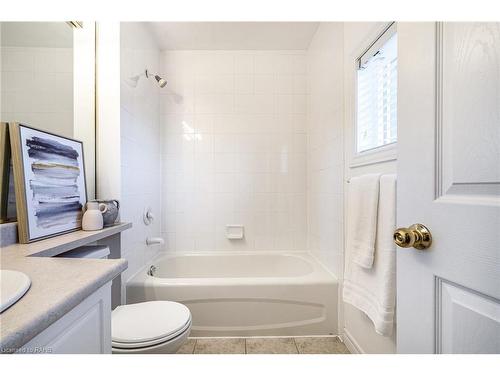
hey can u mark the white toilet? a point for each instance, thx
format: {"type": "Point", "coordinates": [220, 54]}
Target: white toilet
{"type": "Point", "coordinates": [143, 328]}
{"type": "Point", "coordinates": [150, 327]}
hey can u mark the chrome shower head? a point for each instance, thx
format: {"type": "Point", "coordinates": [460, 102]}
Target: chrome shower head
{"type": "Point", "coordinates": [161, 82]}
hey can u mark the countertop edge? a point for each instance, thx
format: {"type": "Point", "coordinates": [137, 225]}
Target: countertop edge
{"type": "Point", "coordinates": [16, 340]}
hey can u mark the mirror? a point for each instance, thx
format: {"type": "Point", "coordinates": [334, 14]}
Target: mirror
{"type": "Point", "coordinates": [47, 81]}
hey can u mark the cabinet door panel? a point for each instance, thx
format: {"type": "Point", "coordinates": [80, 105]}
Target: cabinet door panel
{"type": "Point", "coordinates": [84, 330]}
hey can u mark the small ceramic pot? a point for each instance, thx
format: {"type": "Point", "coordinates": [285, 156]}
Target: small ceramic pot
{"type": "Point", "coordinates": [92, 218]}
{"type": "Point", "coordinates": [109, 209]}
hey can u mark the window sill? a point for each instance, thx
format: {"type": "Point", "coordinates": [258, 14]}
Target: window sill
{"type": "Point", "coordinates": [381, 154]}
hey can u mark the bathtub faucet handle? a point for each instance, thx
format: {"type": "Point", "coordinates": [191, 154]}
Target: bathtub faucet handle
{"type": "Point", "coordinates": [152, 270]}
{"type": "Point", "coordinates": [147, 216]}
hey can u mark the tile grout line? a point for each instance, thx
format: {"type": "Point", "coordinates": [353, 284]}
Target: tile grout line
{"type": "Point", "coordinates": [194, 346]}
{"type": "Point", "coordinates": [246, 346]}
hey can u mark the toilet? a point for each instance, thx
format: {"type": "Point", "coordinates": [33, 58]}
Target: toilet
{"type": "Point", "coordinates": [150, 327]}
{"type": "Point", "coordinates": [153, 327]}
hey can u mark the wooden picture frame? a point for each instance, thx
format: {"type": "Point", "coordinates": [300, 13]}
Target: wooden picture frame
{"type": "Point", "coordinates": [50, 186]}
{"type": "Point", "coordinates": [7, 196]}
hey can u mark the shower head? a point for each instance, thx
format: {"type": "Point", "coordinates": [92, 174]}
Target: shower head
{"type": "Point", "coordinates": [161, 82]}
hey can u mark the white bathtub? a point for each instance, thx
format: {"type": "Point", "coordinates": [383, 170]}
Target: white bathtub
{"type": "Point", "coordinates": [244, 294]}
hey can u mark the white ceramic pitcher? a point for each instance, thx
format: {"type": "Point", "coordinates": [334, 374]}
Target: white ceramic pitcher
{"type": "Point", "coordinates": [92, 218]}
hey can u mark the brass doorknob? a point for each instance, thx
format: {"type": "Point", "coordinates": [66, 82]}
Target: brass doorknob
{"type": "Point", "coordinates": [417, 236]}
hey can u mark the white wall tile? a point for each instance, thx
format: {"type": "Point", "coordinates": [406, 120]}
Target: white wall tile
{"type": "Point", "coordinates": [248, 165]}
{"type": "Point", "coordinates": [265, 63]}
{"type": "Point", "coordinates": [18, 59]}
{"type": "Point", "coordinates": [284, 84]}
{"type": "Point", "coordinates": [264, 84]}
{"type": "Point", "coordinates": [323, 109]}
{"type": "Point", "coordinates": [244, 84]}
{"type": "Point", "coordinates": [244, 63]}
{"type": "Point", "coordinates": [36, 87]}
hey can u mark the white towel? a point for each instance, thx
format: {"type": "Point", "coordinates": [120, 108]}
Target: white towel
{"type": "Point", "coordinates": [373, 291]}
{"type": "Point", "coordinates": [362, 205]}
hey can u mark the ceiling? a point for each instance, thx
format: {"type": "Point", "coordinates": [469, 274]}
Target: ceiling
{"type": "Point", "coordinates": [233, 35]}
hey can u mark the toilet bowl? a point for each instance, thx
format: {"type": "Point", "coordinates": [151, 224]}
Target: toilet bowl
{"type": "Point", "coordinates": [150, 327]}
{"type": "Point", "coordinates": [142, 328]}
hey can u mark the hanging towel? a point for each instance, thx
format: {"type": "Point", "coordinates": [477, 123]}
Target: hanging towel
{"type": "Point", "coordinates": [362, 229]}
{"type": "Point", "coordinates": [373, 290]}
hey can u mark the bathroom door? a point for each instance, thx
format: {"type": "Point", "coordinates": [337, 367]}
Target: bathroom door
{"type": "Point", "coordinates": [448, 297]}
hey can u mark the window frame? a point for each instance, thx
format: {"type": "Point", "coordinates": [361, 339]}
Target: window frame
{"type": "Point", "coordinates": [382, 153]}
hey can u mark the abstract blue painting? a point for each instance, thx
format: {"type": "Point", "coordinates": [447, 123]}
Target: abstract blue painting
{"type": "Point", "coordinates": [54, 179]}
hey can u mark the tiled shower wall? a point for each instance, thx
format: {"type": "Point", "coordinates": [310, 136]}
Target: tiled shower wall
{"type": "Point", "coordinates": [139, 144]}
{"type": "Point", "coordinates": [325, 146]}
{"type": "Point", "coordinates": [233, 134]}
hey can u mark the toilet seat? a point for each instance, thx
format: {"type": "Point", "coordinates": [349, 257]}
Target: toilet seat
{"type": "Point", "coordinates": [150, 323]}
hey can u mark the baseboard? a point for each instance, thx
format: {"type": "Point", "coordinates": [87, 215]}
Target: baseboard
{"type": "Point", "coordinates": [351, 343]}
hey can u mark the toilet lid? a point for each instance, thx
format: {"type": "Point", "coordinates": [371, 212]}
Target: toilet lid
{"type": "Point", "coordinates": [148, 321]}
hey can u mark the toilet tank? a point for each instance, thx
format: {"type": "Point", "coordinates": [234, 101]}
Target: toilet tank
{"type": "Point", "coordinates": [89, 252]}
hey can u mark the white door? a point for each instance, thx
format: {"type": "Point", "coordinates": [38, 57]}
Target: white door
{"type": "Point", "coordinates": [448, 297]}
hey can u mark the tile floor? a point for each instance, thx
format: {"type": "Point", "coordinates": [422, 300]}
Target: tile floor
{"type": "Point", "coordinates": [264, 345]}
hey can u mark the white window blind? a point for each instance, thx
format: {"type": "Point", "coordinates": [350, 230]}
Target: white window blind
{"type": "Point", "coordinates": [377, 93]}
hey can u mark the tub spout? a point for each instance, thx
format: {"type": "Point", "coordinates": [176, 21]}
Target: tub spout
{"type": "Point", "coordinates": [154, 241]}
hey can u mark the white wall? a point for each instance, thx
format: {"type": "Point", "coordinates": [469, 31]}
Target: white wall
{"type": "Point", "coordinates": [357, 37]}
{"type": "Point", "coordinates": [139, 144]}
{"type": "Point", "coordinates": [325, 146]}
{"type": "Point", "coordinates": [234, 149]}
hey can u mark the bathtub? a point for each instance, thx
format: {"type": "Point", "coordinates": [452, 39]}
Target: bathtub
{"type": "Point", "coordinates": [244, 294]}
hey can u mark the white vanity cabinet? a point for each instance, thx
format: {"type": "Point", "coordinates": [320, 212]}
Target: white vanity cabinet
{"type": "Point", "coordinates": [68, 306]}
{"type": "Point", "coordinates": [86, 329]}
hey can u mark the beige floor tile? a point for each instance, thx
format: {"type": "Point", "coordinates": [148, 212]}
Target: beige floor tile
{"type": "Point", "coordinates": [271, 346]}
{"type": "Point", "coordinates": [220, 346]}
{"type": "Point", "coordinates": [188, 347]}
{"type": "Point", "coordinates": [320, 345]}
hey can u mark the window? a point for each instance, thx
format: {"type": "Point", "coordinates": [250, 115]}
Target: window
{"type": "Point", "coordinates": [377, 93]}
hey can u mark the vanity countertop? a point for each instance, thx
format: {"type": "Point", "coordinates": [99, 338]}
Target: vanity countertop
{"type": "Point", "coordinates": [57, 284]}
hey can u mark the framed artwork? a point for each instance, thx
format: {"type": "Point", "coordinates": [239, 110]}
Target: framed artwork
{"type": "Point", "coordinates": [50, 182]}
